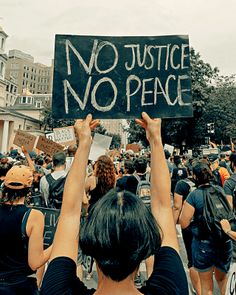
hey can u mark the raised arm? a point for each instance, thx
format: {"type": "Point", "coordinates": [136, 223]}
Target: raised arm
{"type": "Point", "coordinates": [160, 182]}
{"type": "Point", "coordinates": [28, 159]}
{"type": "Point", "coordinates": [66, 238]}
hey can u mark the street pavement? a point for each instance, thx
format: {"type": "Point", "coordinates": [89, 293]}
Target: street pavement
{"type": "Point", "coordinates": [92, 283]}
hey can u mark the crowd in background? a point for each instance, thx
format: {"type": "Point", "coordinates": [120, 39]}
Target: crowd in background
{"type": "Point", "coordinates": [124, 171]}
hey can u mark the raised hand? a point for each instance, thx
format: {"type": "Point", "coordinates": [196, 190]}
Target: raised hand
{"type": "Point", "coordinates": [152, 127]}
{"type": "Point", "coordinates": [83, 127]}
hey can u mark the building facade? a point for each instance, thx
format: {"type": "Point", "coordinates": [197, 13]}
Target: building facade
{"type": "Point", "coordinates": [117, 127]}
{"type": "Point", "coordinates": [36, 77]}
{"type": "Point", "coordinates": [3, 61]}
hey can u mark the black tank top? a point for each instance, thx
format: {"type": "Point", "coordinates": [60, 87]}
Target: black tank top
{"type": "Point", "coordinates": [14, 266]}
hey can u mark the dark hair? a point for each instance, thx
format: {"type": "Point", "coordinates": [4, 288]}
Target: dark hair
{"type": "Point", "coordinates": [202, 172]}
{"type": "Point", "coordinates": [120, 232]}
{"type": "Point", "coordinates": [39, 161]}
{"type": "Point", "coordinates": [129, 166]}
{"type": "Point", "coordinates": [59, 159]}
{"type": "Point", "coordinates": [4, 168]}
{"type": "Point", "coordinates": [11, 195]}
{"type": "Point", "coordinates": [232, 159]}
{"type": "Point", "coordinates": [140, 165]}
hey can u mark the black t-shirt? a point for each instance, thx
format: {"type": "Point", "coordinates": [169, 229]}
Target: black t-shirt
{"type": "Point", "coordinates": [168, 277]}
{"type": "Point", "coordinates": [183, 187]}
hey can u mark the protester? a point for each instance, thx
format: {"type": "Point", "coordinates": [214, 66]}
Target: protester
{"type": "Point", "coordinates": [210, 256]}
{"type": "Point", "coordinates": [220, 173]}
{"type": "Point", "coordinates": [182, 190]}
{"type": "Point", "coordinates": [103, 179]}
{"type": "Point", "coordinates": [21, 233]}
{"type": "Point", "coordinates": [120, 231]}
{"type": "Point", "coordinates": [59, 165]}
{"type": "Point", "coordinates": [128, 170]}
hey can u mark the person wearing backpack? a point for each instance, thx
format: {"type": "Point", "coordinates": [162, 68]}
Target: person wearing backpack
{"type": "Point", "coordinates": [230, 183]}
{"type": "Point", "coordinates": [211, 247]}
{"type": "Point", "coordinates": [220, 173]}
{"type": "Point", "coordinates": [182, 190]}
{"type": "Point", "coordinates": [52, 185]}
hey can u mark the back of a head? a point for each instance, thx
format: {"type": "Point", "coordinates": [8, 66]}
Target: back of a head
{"type": "Point", "coordinates": [72, 150]}
{"type": "Point", "coordinates": [140, 165]}
{"type": "Point", "coordinates": [202, 172]}
{"type": "Point", "coordinates": [129, 166]}
{"type": "Point", "coordinates": [17, 183]}
{"type": "Point", "coordinates": [120, 232]}
{"type": "Point", "coordinates": [59, 159]}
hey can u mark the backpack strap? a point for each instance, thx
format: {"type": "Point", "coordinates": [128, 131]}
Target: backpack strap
{"type": "Point", "coordinates": [24, 222]}
{"type": "Point", "coordinates": [50, 179]}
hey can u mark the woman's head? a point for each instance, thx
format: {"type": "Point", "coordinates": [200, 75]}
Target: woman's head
{"type": "Point", "coordinates": [119, 234]}
{"type": "Point", "coordinates": [105, 172]}
{"type": "Point", "coordinates": [202, 172]}
{"type": "Point", "coordinates": [17, 183]}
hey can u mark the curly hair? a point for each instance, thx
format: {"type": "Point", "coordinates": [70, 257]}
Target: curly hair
{"type": "Point", "coordinates": [105, 173]}
{"type": "Point", "coordinates": [11, 195]}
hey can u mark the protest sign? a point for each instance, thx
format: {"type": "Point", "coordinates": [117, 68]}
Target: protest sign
{"type": "Point", "coordinates": [134, 147]}
{"type": "Point", "coordinates": [48, 146]}
{"type": "Point", "coordinates": [169, 148]}
{"type": "Point", "coordinates": [119, 77]}
{"type": "Point", "coordinates": [25, 139]}
{"type": "Point", "coordinates": [50, 136]}
{"type": "Point", "coordinates": [207, 152]}
{"type": "Point", "coordinates": [65, 135]}
{"type": "Point", "coordinates": [51, 220]}
{"type": "Point", "coordinates": [100, 145]}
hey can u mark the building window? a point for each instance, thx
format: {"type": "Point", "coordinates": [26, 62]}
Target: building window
{"type": "Point", "coordinates": [23, 99]}
{"type": "Point", "coordinates": [38, 104]}
{"type": "Point", "coordinates": [1, 68]}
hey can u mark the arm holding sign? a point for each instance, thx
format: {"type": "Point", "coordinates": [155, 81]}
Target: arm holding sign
{"type": "Point", "coordinates": [28, 159]}
{"type": "Point", "coordinates": [67, 233]}
{"type": "Point", "coordinates": [160, 182]}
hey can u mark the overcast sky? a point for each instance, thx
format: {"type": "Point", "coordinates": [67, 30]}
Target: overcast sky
{"type": "Point", "coordinates": [210, 24]}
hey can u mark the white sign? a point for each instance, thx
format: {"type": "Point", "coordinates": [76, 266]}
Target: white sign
{"type": "Point", "coordinates": [65, 135]}
{"type": "Point", "coordinates": [207, 152]}
{"type": "Point", "coordinates": [50, 136]}
{"type": "Point", "coordinates": [231, 283]}
{"type": "Point", "coordinates": [169, 148]}
{"type": "Point", "coordinates": [100, 145]}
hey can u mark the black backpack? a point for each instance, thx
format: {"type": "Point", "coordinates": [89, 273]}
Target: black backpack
{"type": "Point", "coordinates": [56, 189]}
{"type": "Point", "coordinates": [215, 208]}
{"type": "Point", "coordinates": [217, 178]}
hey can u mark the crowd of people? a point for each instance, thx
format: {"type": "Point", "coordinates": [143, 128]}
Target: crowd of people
{"type": "Point", "coordinates": [121, 210]}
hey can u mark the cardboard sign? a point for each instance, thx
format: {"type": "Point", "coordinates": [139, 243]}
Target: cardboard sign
{"type": "Point", "coordinates": [100, 145]}
{"type": "Point", "coordinates": [65, 135]}
{"type": "Point", "coordinates": [51, 220]}
{"type": "Point", "coordinates": [24, 139]}
{"type": "Point", "coordinates": [134, 147]}
{"type": "Point", "coordinates": [207, 152]}
{"type": "Point", "coordinates": [48, 146]}
{"type": "Point", "coordinates": [119, 77]}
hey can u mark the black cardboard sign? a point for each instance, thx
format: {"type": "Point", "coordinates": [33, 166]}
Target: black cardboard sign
{"type": "Point", "coordinates": [119, 77]}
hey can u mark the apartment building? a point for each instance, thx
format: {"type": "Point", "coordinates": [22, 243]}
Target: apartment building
{"type": "Point", "coordinates": [36, 77]}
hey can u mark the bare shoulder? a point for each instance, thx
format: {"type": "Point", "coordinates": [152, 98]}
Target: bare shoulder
{"type": "Point", "coordinates": [36, 214]}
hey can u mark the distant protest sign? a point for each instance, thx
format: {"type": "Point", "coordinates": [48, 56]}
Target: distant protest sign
{"type": "Point", "coordinates": [50, 136]}
{"type": "Point", "coordinates": [207, 152]}
{"type": "Point", "coordinates": [51, 220]}
{"type": "Point", "coordinates": [48, 146]}
{"type": "Point", "coordinates": [65, 135]}
{"type": "Point", "coordinates": [169, 148]}
{"type": "Point", "coordinates": [119, 77]}
{"type": "Point", "coordinates": [100, 145]}
{"type": "Point", "coordinates": [24, 139]}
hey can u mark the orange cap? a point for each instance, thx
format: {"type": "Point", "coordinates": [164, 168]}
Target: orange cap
{"type": "Point", "coordinates": [19, 177]}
